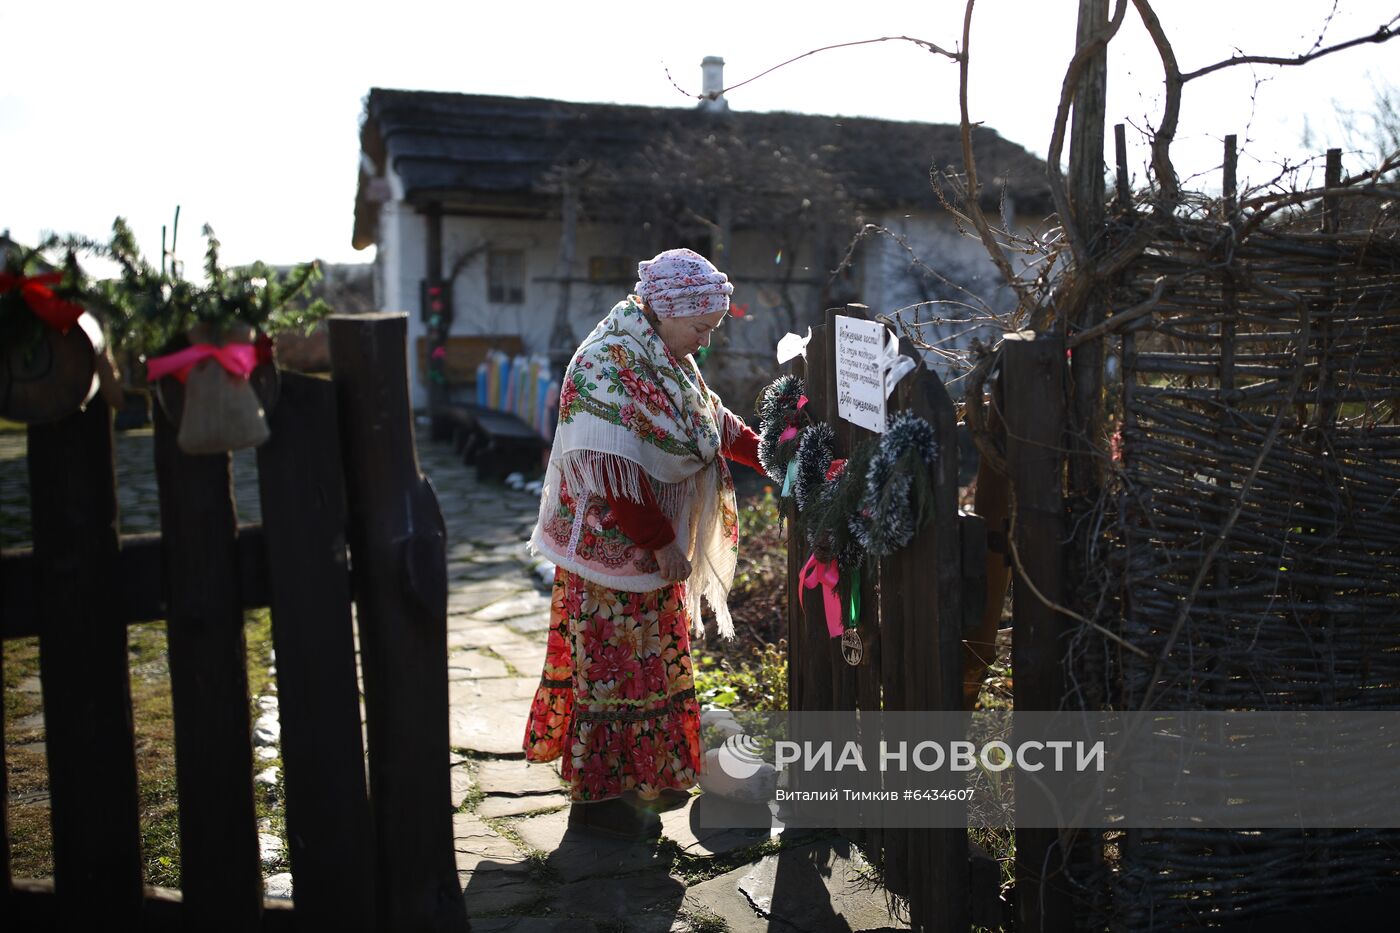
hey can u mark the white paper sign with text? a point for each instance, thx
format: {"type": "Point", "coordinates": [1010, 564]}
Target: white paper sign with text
{"type": "Point", "coordinates": [860, 372]}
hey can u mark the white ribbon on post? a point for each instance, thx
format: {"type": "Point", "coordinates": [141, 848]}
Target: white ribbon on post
{"type": "Point", "coordinates": [894, 364]}
{"type": "Point", "coordinates": [793, 345]}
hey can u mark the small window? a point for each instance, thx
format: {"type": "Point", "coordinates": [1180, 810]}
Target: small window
{"type": "Point", "coordinates": [609, 269]}
{"type": "Point", "coordinates": [505, 276]}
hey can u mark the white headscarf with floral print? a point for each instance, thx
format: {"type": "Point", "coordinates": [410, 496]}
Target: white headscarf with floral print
{"type": "Point", "coordinates": [682, 283]}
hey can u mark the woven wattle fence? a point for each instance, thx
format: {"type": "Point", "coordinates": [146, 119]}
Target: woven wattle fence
{"type": "Point", "coordinates": [1252, 545]}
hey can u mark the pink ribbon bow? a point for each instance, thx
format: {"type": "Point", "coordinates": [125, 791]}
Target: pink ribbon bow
{"type": "Point", "coordinates": [790, 431]}
{"type": "Point", "coordinates": [826, 575]}
{"type": "Point", "coordinates": [239, 359]}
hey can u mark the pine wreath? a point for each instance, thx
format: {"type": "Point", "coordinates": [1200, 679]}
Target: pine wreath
{"type": "Point", "coordinates": [777, 411]}
{"type": "Point", "coordinates": [897, 500]}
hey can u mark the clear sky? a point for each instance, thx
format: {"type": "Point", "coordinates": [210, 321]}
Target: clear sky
{"type": "Point", "coordinates": [246, 114]}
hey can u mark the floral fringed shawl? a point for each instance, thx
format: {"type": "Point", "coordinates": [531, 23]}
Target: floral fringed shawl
{"type": "Point", "coordinates": [629, 411]}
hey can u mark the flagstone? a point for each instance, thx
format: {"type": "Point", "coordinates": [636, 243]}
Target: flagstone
{"type": "Point", "coordinates": [471, 664]}
{"type": "Point", "coordinates": [517, 776]}
{"type": "Point", "coordinates": [644, 901]}
{"type": "Point", "coordinates": [825, 887]}
{"type": "Point", "coordinates": [574, 854]}
{"type": "Point", "coordinates": [528, 603]}
{"type": "Point", "coordinates": [495, 806]}
{"type": "Point", "coordinates": [492, 728]}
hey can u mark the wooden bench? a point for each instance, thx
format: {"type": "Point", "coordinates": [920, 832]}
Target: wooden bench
{"type": "Point", "coordinates": [464, 355]}
{"type": "Point", "coordinates": [497, 443]}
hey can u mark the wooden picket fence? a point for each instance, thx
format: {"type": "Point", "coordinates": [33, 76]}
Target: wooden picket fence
{"type": "Point", "coordinates": [340, 485]}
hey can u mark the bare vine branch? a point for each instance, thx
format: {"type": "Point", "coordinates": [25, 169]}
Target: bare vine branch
{"type": "Point", "coordinates": [1168, 191]}
{"type": "Point", "coordinates": [974, 188]}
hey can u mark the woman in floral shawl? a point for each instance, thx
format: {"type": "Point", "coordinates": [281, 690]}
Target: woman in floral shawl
{"type": "Point", "coordinates": [638, 515]}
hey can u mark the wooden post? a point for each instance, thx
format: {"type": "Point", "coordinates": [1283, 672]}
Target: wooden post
{"type": "Point", "coordinates": [1033, 370]}
{"type": "Point", "coordinates": [817, 659]}
{"type": "Point", "coordinates": [437, 334]}
{"type": "Point", "coordinates": [220, 869]}
{"type": "Point", "coordinates": [398, 545]}
{"type": "Point", "coordinates": [798, 642]}
{"type": "Point", "coordinates": [6, 885]}
{"type": "Point", "coordinates": [1325, 416]}
{"type": "Point", "coordinates": [561, 333]}
{"type": "Point", "coordinates": [83, 663]}
{"type": "Point", "coordinates": [843, 676]}
{"type": "Point", "coordinates": [931, 568]}
{"type": "Point", "coordinates": [1086, 168]}
{"type": "Point", "coordinates": [1120, 156]}
{"type": "Point", "coordinates": [1229, 300]}
{"type": "Point", "coordinates": [329, 828]}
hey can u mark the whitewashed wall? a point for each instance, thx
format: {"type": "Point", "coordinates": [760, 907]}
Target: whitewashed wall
{"type": "Point", "coordinates": [896, 280]}
{"type": "Point", "coordinates": [887, 278]}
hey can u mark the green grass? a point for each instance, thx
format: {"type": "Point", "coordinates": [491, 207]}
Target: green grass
{"type": "Point", "coordinates": [31, 843]}
{"type": "Point", "coordinates": [758, 684]}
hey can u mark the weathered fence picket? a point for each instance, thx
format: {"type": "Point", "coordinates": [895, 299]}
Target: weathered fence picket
{"type": "Point", "coordinates": [398, 543]}
{"type": "Point", "coordinates": [360, 861]}
{"type": "Point", "coordinates": [330, 836]}
{"type": "Point", "coordinates": [83, 667]}
{"type": "Point", "coordinates": [220, 869]}
{"type": "Point", "coordinates": [1034, 373]}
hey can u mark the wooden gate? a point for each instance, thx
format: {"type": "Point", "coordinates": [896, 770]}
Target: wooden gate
{"type": "Point", "coordinates": [340, 469]}
{"type": "Point", "coordinates": [913, 612]}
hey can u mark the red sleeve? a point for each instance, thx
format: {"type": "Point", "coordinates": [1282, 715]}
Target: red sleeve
{"type": "Point", "coordinates": [643, 522]}
{"type": "Point", "coordinates": [744, 448]}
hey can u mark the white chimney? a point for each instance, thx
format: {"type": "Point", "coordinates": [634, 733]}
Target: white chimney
{"type": "Point", "coordinates": [712, 83]}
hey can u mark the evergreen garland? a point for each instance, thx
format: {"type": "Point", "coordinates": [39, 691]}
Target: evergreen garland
{"type": "Point", "coordinates": [20, 324]}
{"type": "Point", "coordinates": [814, 455]}
{"type": "Point", "coordinates": [826, 520]}
{"type": "Point", "coordinates": [777, 411]}
{"type": "Point", "coordinates": [896, 499]}
{"type": "Point", "coordinates": [160, 305]}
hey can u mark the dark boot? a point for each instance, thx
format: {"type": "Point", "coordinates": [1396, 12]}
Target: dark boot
{"type": "Point", "coordinates": [616, 818]}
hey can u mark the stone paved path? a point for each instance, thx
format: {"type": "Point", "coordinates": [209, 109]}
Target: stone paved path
{"type": "Point", "coordinates": [521, 868]}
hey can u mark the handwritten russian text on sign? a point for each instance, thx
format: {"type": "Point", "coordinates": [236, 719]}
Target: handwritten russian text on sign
{"type": "Point", "coordinates": [860, 372]}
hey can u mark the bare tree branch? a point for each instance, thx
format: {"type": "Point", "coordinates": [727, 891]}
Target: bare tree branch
{"type": "Point", "coordinates": [974, 188]}
{"type": "Point", "coordinates": [922, 43]}
{"type": "Point", "coordinates": [1382, 34]}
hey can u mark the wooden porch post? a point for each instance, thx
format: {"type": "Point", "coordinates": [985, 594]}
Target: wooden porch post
{"type": "Point", "coordinates": [434, 313]}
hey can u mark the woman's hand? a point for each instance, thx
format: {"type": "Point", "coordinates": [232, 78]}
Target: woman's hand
{"type": "Point", "coordinates": [673, 565]}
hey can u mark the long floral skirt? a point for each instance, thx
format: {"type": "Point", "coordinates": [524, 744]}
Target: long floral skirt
{"type": "Point", "coordinates": [617, 698]}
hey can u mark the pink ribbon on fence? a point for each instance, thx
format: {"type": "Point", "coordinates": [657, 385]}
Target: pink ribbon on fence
{"type": "Point", "coordinates": [826, 575]}
{"type": "Point", "coordinates": [239, 359]}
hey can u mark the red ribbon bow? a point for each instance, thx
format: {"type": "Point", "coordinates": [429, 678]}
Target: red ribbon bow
{"type": "Point", "coordinates": [836, 468]}
{"type": "Point", "coordinates": [826, 575]}
{"type": "Point", "coordinates": [55, 312]}
{"type": "Point", "coordinates": [239, 359]}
